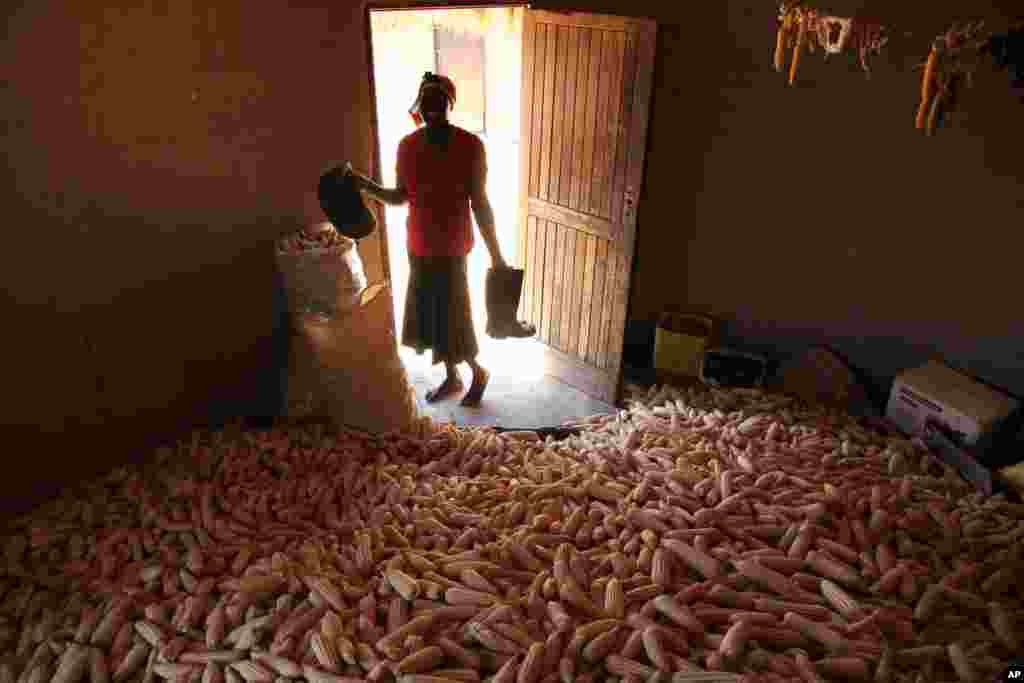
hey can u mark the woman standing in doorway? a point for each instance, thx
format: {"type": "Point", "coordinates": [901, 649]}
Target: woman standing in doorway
{"type": "Point", "coordinates": [442, 174]}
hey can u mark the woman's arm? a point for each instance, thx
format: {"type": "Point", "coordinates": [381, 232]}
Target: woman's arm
{"type": "Point", "coordinates": [484, 215]}
{"type": "Point", "coordinates": [482, 211]}
{"type": "Point", "coordinates": [392, 197]}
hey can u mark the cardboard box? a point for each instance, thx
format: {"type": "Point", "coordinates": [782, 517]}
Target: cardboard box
{"type": "Point", "coordinates": [967, 411]}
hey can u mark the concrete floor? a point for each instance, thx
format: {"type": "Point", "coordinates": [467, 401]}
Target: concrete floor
{"type": "Point", "coordinates": [513, 399]}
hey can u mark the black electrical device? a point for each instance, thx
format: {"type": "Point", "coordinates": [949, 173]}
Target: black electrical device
{"type": "Point", "coordinates": [732, 368]}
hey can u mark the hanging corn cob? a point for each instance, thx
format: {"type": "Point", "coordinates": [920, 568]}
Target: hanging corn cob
{"type": "Point", "coordinates": [788, 21]}
{"type": "Point", "coordinates": [928, 83]}
{"type": "Point", "coordinates": [950, 66]}
{"type": "Point", "coordinates": [803, 19]}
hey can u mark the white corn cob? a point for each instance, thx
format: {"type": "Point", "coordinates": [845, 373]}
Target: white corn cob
{"type": "Point", "coordinates": [216, 623]}
{"type": "Point", "coordinates": [73, 664]}
{"type": "Point", "coordinates": [253, 672]}
{"type": "Point", "coordinates": [42, 673]}
{"type": "Point", "coordinates": [212, 657]}
{"type": "Point", "coordinates": [133, 661]}
{"type": "Point", "coordinates": [326, 653]}
{"type": "Point", "coordinates": [99, 667]}
{"type": "Point", "coordinates": [173, 672]}
{"type": "Point", "coordinates": [405, 585]}
{"type": "Point", "coordinates": [213, 673]}
{"type": "Point", "coordinates": [151, 633]}
{"type": "Point", "coordinates": [278, 664]}
{"type": "Point", "coordinates": [90, 617]}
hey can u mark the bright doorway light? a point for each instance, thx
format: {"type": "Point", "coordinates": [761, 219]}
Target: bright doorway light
{"type": "Point", "coordinates": [481, 49]}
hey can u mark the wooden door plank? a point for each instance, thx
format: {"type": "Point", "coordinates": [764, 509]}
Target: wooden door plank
{"type": "Point", "coordinates": [608, 304]}
{"type": "Point", "coordinates": [549, 278]}
{"type": "Point", "coordinates": [568, 290]}
{"type": "Point", "coordinates": [537, 276]}
{"type": "Point", "coordinates": [643, 74]}
{"type": "Point", "coordinates": [603, 22]}
{"type": "Point", "coordinates": [558, 293]}
{"type": "Point", "coordinates": [592, 381]}
{"type": "Point", "coordinates": [622, 108]}
{"type": "Point", "coordinates": [578, 270]}
{"type": "Point", "coordinates": [594, 225]}
{"type": "Point", "coordinates": [593, 82]}
{"type": "Point", "coordinates": [551, 37]}
{"type": "Point", "coordinates": [536, 121]}
{"type": "Point", "coordinates": [526, 116]}
{"type": "Point", "coordinates": [558, 114]}
{"type": "Point", "coordinates": [540, 257]}
{"type": "Point", "coordinates": [580, 136]}
{"type": "Point", "coordinates": [599, 182]}
{"type": "Point", "coordinates": [616, 327]}
{"type": "Point", "coordinates": [600, 270]}
{"type": "Point", "coordinates": [574, 372]}
{"type": "Point", "coordinates": [622, 165]}
{"type": "Point", "coordinates": [569, 121]}
{"type": "Point", "coordinates": [612, 126]}
{"type": "Point", "coordinates": [587, 302]}
{"type": "Point", "coordinates": [529, 237]}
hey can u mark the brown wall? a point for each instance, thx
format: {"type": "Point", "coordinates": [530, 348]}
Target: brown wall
{"type": "Point", "coordinates": [154, 153]}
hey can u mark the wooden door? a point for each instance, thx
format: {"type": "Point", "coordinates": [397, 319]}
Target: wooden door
{"type": "Point", "coordinates": [585, 107]}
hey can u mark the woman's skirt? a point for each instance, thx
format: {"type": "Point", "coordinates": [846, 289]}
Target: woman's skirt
{"type": "Point", "coordinates": [438, 315]}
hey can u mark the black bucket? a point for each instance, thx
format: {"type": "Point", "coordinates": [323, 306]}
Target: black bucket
{"type": "Point", "coordinates": [343, 204]}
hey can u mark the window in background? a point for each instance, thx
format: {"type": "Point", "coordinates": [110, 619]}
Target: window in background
{"type": "Point", "coordinates": [461, 56]}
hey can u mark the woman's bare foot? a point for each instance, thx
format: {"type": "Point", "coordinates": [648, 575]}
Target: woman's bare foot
{"type": "Point", "coordinates": [476, 390]}
{"type": "Point", "coordinates": [448, 388]}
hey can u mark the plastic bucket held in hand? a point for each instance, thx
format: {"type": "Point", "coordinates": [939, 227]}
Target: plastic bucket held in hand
{"type": "Point", "coordinates": [680, 340]}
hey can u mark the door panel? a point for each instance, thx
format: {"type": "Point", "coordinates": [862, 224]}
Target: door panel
{"type": "Point", "coordinates": [569, 268]}
{"type": "Point", "coordinates": [547, 68]}
{"type": "Point", "coordinates": [586, 85]}
{"type": "Point", "coordinates": [584, 98]}
{"type": "Point", "coordinates": [586, 305]}
{"type": "Point", "coordinates": [607, 304]}
{"type": "Point", "coordinates": [569, 113]}
{"type": "Point", "coordinates": [599, 131]}
{"type": "Point", "coordinates": [526, 240]}
{"type": "Point", "coordinates": [584, 222]}
{"type": "Point", "coordinates": [579, 270]}
{"type": "Point", "coordinates": [558, 113]}
{"type": "Point", "coordinates": [620, 117]}
{"type": "Point", "coordinates": [598, 278]}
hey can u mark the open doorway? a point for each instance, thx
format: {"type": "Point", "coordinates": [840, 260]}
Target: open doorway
{"type": "Point", "coordinates": [481, 50]}
{"type": "Point", "coordinates": [560, 101]}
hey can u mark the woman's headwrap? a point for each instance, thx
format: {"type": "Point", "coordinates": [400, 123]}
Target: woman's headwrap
{"type": "Point", "coordinates": [431, 80]}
